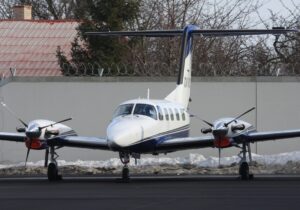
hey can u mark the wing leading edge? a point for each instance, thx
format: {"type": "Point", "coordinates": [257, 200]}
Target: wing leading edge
{"type": "Point", "coordinates": [17, 137]}
{"type": "Point", "coordinates": [79, 142]}
{"type": "Point", "coordinates": [272, 135]}
{"type": "Point", "coordinates": [185, 143]}
{"type": "Point", "coordinates": [208, 141]}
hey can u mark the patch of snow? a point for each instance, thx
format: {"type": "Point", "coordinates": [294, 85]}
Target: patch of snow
{"type": "Point", "coordinates": [193, 159]}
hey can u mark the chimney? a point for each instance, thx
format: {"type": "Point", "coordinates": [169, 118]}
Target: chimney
{"type": "Point", "coordinates": [22, 12]}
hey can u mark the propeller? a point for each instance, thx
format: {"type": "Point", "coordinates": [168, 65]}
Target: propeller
{"type": "Point", "coordinates": [246, 112]}
{"type": "Point", "coordinates": [30, 133]}
{"type": "Point", "coordinates": [47, 150]}
{"type": "Point", "coordinates": [221, 131]}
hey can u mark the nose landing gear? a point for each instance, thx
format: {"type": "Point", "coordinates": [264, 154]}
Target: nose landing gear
{"type": "Point", "coordinates": [125, 159]}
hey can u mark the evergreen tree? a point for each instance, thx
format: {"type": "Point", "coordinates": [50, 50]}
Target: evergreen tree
{"type": "Point", "coordinates": [89, 54]}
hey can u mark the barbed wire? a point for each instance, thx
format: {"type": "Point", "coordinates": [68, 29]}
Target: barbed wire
{"type": "Point", "coordinates": [158, 69]}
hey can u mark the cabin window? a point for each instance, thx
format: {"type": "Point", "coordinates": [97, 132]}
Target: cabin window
{"type": "Point", "coordinates": [145, 109]}
{"type": "Point", "coordinates": [160, 113]}
{"type": "Point", "coordinates": [171, 114]}
{"type": "Point", "coordinates": [124, 109]}
{"type": "Point", "coordinates": [166, 114]}
{"type": "Point", "coordinates": [182, 115]}
{"type": "Point", "coordinates": [177, 114]}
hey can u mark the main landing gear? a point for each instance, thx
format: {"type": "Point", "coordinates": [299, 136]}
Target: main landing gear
{"type": "Point", "coordinates": [125, 159]}
{"type": "Point", "coordinates": [53, 174]}
{"type": "Point", "coordinates": [244, 166]}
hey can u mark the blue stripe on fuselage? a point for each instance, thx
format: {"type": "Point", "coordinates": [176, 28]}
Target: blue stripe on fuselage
{"type": "Point", "coordinates": [149, 146]}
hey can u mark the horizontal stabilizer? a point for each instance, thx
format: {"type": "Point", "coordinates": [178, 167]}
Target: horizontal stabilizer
{"type": "Point", "coordinates": [206, 33]}
{"type": "Point", "coordinates": [154, 33]}
{"type": "Point", "coordinates": [242, 32]}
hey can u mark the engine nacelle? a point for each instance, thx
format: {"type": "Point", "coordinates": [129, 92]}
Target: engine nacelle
{"type": "Point", "coordinates": [21, 129]}
{"type": "Point", "coordinates": [206, 130]}
{"type": "Point", "coordinates": [239, 127]}
{"type": "Point", "coordinates": [51, 132]}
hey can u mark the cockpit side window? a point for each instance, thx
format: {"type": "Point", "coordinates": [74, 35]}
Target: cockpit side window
{"type": "Point", "coordinates": [124, 109]}
{"type": "Point", "coordinates": [160, 113]}
{"type": "Point", "coordinates": [145, 109]}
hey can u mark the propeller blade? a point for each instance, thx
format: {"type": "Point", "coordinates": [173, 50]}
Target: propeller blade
{"type": "Point", "coordinates": [208, 123]}
{"type": "Point", "coordinates": [46, 157]}
{"type": "Point", "coordinates": [68, 119]}
{"type": "Point", "coordinates": [28, 151]}
{"type": "Point", "coordinates": [226, 124]}
{"type": "Point", "coordinates": [13, 113]}
{"type": "Point", "coordinates": [219, 156]}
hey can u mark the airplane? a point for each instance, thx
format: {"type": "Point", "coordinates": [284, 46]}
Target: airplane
{"type": "Point", "coordinates": [148, 126]}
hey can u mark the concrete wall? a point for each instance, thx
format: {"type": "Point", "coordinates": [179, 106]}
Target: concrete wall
{"type": "Point", "coordinates": [91, 102]}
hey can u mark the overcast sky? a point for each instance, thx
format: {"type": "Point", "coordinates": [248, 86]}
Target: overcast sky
{"type": "Point", "coordinates": [277, 7]}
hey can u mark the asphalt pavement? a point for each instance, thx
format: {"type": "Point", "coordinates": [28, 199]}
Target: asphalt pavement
{"type": "Point", "coordinates": [143, 192]}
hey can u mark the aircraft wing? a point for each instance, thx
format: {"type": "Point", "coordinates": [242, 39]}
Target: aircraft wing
{"type": "Point", "coordinates": [17, 137]}
{"type": "Point", "coordinates": [185, 143]}
{"type": "Point", "coordinates": [79, 142]}
{"type": "Point", "coordinates": [271, 135]}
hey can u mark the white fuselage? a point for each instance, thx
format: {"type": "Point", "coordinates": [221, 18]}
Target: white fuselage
{"type": "Point", "coordinates": [139, 124]}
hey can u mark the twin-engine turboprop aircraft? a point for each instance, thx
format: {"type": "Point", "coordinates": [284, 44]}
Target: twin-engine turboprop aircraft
{"type": "Point", "coordinates": [146, 126]}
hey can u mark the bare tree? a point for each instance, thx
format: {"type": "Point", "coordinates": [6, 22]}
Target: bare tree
{"type": "Point", "coordinates": [5, 8]}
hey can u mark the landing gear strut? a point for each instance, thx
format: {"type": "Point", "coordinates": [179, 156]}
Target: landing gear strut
{"type": "Point", "coordinates": [244, 166]}
{"type": "Point", "coordinates": [52, 173]}
{"type": "Point", "coordinates": [124, 157]}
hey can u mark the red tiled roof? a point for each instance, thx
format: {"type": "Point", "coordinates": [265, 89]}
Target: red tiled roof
{"type": "Point", "coordinates": [30, 46]}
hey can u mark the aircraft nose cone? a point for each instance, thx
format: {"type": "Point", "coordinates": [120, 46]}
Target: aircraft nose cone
{"type": "Point", "coordinates": [123, 134]}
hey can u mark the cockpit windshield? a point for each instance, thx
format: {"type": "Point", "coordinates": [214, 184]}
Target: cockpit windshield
{"type": "Point", "coordinates": [145, 109]}
{"type": "Point", "coordinates": [124, 109]}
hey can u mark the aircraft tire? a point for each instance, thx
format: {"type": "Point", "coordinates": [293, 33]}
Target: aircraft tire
{"type": "Point", "coordinates": [244, 171]}
{"type": "Point", "coordinates": [52, 172]}
{"type": "Point", "coordinates": [125, 173]}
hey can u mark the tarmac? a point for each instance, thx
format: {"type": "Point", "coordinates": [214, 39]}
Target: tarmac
{"type": "Point", "coordinates": [149, 192]}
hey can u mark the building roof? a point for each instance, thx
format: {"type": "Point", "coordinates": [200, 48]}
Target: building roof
{"type": "Point", "coordinates": [30, 46]}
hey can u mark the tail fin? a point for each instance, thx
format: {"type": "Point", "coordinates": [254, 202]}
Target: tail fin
{"type": "Point", "coordinates": [181, 94]}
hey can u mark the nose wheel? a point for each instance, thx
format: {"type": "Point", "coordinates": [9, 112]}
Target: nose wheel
{"type": "Point", "coordinates": [53, 173]}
